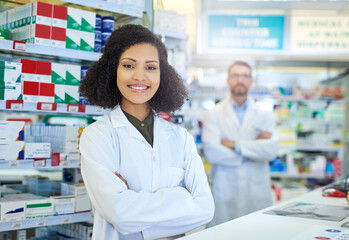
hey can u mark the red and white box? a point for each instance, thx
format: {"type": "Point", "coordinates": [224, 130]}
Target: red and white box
{"type": "Point", "coordinates": [58, 37]}
{"type": "Point", "coordinates": [43, 71]}
{"type": "Point", "coordinates": [47, 92]}
{"type": "Point", "coordinates": [59, 16]}
{"type": "Point", "coordinates": [40, 34]}
{"type": "Point", "coordinates": [28, 70]}
{"type": "Point", "coordinates": [30, 91]}
{"type": "Point", "coordinates": [42, 13]}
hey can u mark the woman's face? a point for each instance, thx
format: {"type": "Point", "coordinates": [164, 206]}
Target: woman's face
{"type": "Point", "coordinates": [138, 74]}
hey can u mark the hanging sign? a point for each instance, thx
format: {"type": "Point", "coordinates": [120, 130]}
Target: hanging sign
{"type": "Point", "coordinates": [319, 34]}
{"type": "Point", "coordinates": [245, 32]}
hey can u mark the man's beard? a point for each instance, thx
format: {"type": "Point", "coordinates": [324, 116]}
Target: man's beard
{"type": "Point", "coordinates": [239, 93]}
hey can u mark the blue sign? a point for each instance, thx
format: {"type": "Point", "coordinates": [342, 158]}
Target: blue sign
{"type": "Point", "coordinates": [245, 32]}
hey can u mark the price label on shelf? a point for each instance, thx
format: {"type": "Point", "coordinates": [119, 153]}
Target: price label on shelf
{"type": "Point", "coordinates": [46, 106]}
{"type": "Point", "coordinates": [100, 5]}
{"type": "Point", "coordinates": [41, 222]}
{"type": "Point", "coordinates": [66, 219]}
{"type": "Point", "coordinates": [19, 45]}
{"type": "Point", "coordinates": [73, 108]}
{"type": "Point", "coordinates": [39, 163]}
{"type": "Point", "coordinates": [17, 224]}
{"type": "Point", "coordinates": [65, 163]}
{"type": "Point", "coordinates": [14, 104]}
{"type": "Point", "coordinates": [13, 164]}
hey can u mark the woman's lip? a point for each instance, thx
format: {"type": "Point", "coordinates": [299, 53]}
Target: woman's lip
{"type": "Point", "coordinates": [138, 88]}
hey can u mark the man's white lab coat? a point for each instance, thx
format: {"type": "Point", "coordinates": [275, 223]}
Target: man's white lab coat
{"type": "Point", "coordinates": [239, 186]}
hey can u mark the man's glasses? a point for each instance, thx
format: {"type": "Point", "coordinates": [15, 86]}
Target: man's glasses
{"type": "Point", "coordinates": [242, 76]}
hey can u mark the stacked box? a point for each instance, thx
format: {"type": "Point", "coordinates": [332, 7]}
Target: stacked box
{"type": "Point", "coordinates": [10, 81]}
{"type": "Point", "coordinates": [59, 26]}
{"type": "Point", "coordinates": [37, 151]}
{"type": "Point", "coordinates": [63, 205]}
{"type": "Point", "coordinates": [80, 30]}
{"type": "Point", "coordinates": [82, 201]}
{"type": "Point", "coordinates": [73, 78]}
{"type": "Point", "coordinates": [12, 140]}
{"type": "Point", "coordinates": [11, 210]}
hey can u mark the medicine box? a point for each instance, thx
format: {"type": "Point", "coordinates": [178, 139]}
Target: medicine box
{"type": "Point", "coordinates": [73, 75]}
{"type": "Point", "coordinates": [40, 34]}
{"type": "Point", "coordinates": [42, 13]}
{"type": "Point", "coordinates": [30, 91]}
{"type": "Point", "coordinates": [63, 205]}
{"type": "Point", "coordinates": [47, 92]}
{"type": "Point", "coordinates": [59, 16]}
{"type": "Point", "coordinates": [11, 131]}
{"type": "Point", "coordinates": [11, 210]}
{"type": "Point", "coordinates": [74, 18]}
{"type": "Point", "coordinates": [88, 21]}
{"type": "Point", "coordinates": [58, 37]}
{"type": "Point", "coordinates": [37, 150]}
{"type": "Point", "coordinates": [72, 39]}
{"type": "Point", "coordinates": [71, 94]}
{"type": "Point", "coordinates": [59, 93]}
{"type": "Point", "coordinates": [28, 70]}
{"type": "Point", "coordinates": [58, 73]}
{"type": "Point", "coordinates": [43, 71]}
{"type": "Point", "coordinates": [10, 151]}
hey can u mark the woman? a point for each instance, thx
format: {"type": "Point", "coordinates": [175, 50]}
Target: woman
{"type": "Point", "coordinates": [143, 174]}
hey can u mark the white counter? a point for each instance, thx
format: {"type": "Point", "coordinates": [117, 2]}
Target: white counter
{"type": "Point", "coordinates": [259, 226]}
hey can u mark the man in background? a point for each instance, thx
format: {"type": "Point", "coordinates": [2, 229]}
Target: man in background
{"type": "Point", "coordinates": [239, 140]}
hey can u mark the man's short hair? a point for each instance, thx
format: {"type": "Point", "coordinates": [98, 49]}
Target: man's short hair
{"type": "Point", "coordinates": [240, 63]}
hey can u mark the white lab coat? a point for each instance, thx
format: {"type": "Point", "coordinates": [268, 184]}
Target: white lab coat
{"type": "Point", "coordinates": [169, 193]}
{"type": "Point", "coordinates": [239, 187]}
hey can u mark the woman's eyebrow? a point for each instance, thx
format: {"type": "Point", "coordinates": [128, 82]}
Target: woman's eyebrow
{"type": "Point", "coordinates": [133, 60]}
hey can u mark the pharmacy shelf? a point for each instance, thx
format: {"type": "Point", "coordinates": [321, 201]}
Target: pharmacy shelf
{"type": "Point", "coordinates": [30, 164]}
{"type": "Point", "coordinates": [67, 109]}
{"type": "Point", "coordinates": [298, 176]}
{"type": "Point", "coordinates": [7, 45]}
{"type": "Point", "coordinates": [126, 9]}
{"type": "Point", "coordinates": [312, 121]}
{"type": "Point", "coordinates": [170, 33]}
{"type": "Point", "coordinates": [295, 99]}
{"type": "Point", "coordinates": [47, 221]}
{"type": "Point", "coordinates": [313, 148]}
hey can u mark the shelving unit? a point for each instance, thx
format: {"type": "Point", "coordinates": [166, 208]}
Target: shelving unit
{"type": "Point", "coordinates": [12, 171]}
{"type": "Point", "coordinates": [298, 176]}
{"type": "Point", "coordinates": [31, 164]}
{"type": "Point", "coordinates": [47, 221]}
{"type": "Point", "coordinates": [45, 51]}
{"type": "Point", "coordinates": [52, 108]}
{"type": "Point", "coordinates": [125, 8]}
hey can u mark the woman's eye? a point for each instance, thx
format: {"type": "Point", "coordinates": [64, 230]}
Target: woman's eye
{"type": "Point", "coordinates": [128, 66]}
{"type": "Point", "coordinates": [151, 68]}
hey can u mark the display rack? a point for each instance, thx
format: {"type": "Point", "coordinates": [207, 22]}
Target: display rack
{"type": "Point", "coordinates": [298, 176]}
{"type": "Point", "coordinates": [52, 108]}
{"type": "Point", "coordinates": [304, 148]}
{"type": "Point", "coordinates": [7, 45]}
{"type": "Point", "coordinates": [125, 9]}
{"type": "Point", "coordinates": [47, 221]}
{"type": "Point", "coordinates": [31, 164]}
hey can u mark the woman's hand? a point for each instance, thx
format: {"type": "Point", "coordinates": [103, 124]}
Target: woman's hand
{"type": "Point", "coordinates": [124, 180]}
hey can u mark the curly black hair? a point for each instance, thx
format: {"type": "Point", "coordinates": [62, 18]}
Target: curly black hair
{"type": "Point", "coordinates": [99, 84]}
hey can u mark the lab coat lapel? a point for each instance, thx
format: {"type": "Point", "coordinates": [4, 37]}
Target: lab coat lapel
{"type": "Point", "coordinates": [230, 113]}
{"type": "Point", "coordinates": [249, 116]}
{"type": "Point", "coordinates": [161, 134]}
{"type": "Point", "coordinates": [119, 119]}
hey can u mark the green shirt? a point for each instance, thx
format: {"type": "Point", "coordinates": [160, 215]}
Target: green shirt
{"type": "Point", "coordinates": [145, 128]}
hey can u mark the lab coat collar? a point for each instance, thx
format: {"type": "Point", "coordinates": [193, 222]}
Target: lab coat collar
{"type": "Point", "coordinates": [229, 110]}
{"type": "Point", "coordinates": [118, 120]}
